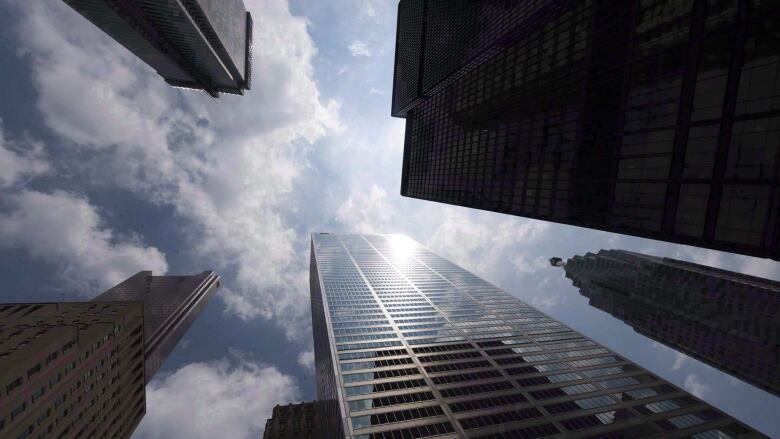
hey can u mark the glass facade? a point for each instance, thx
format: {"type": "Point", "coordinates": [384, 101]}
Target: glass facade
{"type": "Point", "coordinates": [408, 344]}
{"type": "Point", "coordinates": [655, 118]}
{"type": "Point", "coordinates": [728, 320]}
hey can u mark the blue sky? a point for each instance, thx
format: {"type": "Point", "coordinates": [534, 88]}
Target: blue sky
{"type": "Point", "coordinates": [105, 171]}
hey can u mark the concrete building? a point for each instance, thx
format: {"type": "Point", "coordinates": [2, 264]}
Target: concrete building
{"type": "Point", "coordinates": [71, 370]}
{"type": "Point", "coordinates": [200, 44]}
{"type": "Point", "coordinates": [728, 320]}
{"type": "Point", "coordinates": [408, 344]}
{"type": "Point", "coordinates": [294, 421]}
{"type": "Point", "coordinates": [658, 119]}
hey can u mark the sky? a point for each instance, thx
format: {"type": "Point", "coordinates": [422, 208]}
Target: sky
{"type": "Point", "coordinates": [105, 171]}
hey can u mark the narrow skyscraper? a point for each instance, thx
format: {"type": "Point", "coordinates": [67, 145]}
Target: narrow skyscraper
{"type": "Point", "coordinates": [658, 119]}
{"type": "Point", "coordinates": [171, 304]}
{"type": "Point", "coordinates": [409, 345]}
{"type": "Point", "coordinates": [200, 44]}
{"type": "Point", "coordinates": [728, 320]}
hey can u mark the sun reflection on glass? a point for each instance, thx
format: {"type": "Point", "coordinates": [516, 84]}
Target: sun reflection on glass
{"type": "Point", "coordinates": [401, 246]}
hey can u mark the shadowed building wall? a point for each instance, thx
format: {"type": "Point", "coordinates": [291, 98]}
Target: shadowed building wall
{"type": "Point", "coordinates": [408, 344]}
{"type": "Point", "coordinates": [658, 119]}
{"type": "Point", "coordinates": [294, 421]}
{"type": "Point", "coordinates": [71, 370]}
{"type": "Point", "coordinates": [728, 320]}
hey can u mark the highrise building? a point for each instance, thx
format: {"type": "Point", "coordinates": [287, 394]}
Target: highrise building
{"type": "Point", "coordinates": [655, 118]}
{"type": "Point", "coordinates": [171, 304]}
{"type": "Point", "coordinates": [78, 369]}
{"type": "Point", "coordinates": [71, 370]}
{"type": "Point", "coordinates": [294, 421]}
{"type": "Point", "coordinates": [728, 320]}
{"type": "Point", "coordinates": [409, 345]}
{"type": "Point", "coordinates": [200, 44]}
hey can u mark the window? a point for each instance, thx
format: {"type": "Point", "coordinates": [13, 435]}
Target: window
{"type": "Point", "coordinates": [478, 404]}
{"type": "Point", "coordinates": [499, 418]}
{"type": "Point", "coordinates": [409, 398]}
{"type": "Point", "coordinates": [412, 432]}
{"type": "Point", "coordinates": [396, 416]}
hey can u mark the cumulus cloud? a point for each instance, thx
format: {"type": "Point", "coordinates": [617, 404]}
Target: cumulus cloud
{"type": "Point", "coordinates": [306, 360]}
{"type": "Point", "coordinates": [679, 361]}
{"type": "Point", "coordinates": [694, 385]}
{"type": "Point", "coordinates": [65, 230]}
{"type": "Point", "coordinates": [359, 48]}
{"type": "Point", "coordinates": [227, 169]}
{"type": "Point", "coordinates": [20, 160]}
{"type": "Point", "coordinates": [217, 399]}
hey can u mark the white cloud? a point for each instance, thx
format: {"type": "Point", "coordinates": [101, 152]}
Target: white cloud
{"type": "Point", "coordinates": [695, 386]}
{"type": "Point", "coordinates": [208, 400]}
{"type": "Point", "coordinates": [20, 160]}
{"type": "Point", "coordinates": [227, 168]}
{"type": "Point", "coordinates": [376, 91]}
{"type": "Point", "coordinates": [367, 210]}
{"type": "Point", "coordinates": [65, 230]}
{"type": "Point", "coordinates": [306, 360]}
{"type": "Point", "coordinates": [359, 48]}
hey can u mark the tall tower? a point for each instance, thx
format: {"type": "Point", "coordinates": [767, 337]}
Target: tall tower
{"type": "Point", "coordinates": [728, 320]}
{"type": "Point", "coordinates": [649, 118]}
{"type": "Point", "coordinates": [408, 344]}
{"type": "Point", "coordinates": [201, 44]}
{"type": "Point", "coordinates": [171, 304]}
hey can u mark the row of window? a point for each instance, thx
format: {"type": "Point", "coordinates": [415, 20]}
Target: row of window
{"type": "Point", "coordinates": [380, 374]}
{"type": "Point", "coordinates": [396, 416]}
{"type": "Point", "coordinates": [385, 401]}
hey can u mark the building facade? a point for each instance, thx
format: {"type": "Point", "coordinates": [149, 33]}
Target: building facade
{"type": "Point", "coordinates": [728, 320]}
{"type": "Point", "coordinates": [657, 118]}
{"type": "Point", "coordinates": [200, 44]}
{"type": "Point", "coordinates": [71, 370]}
{"type": "Point", "coordinates": [408, 344]}
{"type": "Point", "coordinates": [171, 304]}
{"type": "Point", "coordinates": [294, 421]}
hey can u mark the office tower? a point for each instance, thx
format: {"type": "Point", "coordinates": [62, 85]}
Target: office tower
{"type": "Point", "coordinates": [408, 344]}
{"type": "Point", "coordinates": [655, 118]}
{"type": "Point", "coordinates": [728, 320]}
{"type": "Point", "coordinates": [71, 370]}
{"type": "Point", "coordinates": [171, 304]}
{"type": "Point", "coordinates": [294, 421]}
{"type": "Point", "coordinates": [200, 44]}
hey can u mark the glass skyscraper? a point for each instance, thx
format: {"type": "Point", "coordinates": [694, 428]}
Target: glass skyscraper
{"type": "Point", "coordinates": [409, 345]}
{"type": "Point", "coordinates": [654, 118]}
{"type": "Point", "coordinates": [728, 320]}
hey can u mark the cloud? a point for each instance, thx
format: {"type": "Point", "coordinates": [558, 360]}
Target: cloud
{"type": "Point", "coordinates": [359, 48]}
{"type": "Point", "coordinates": [66, 231]}
{"type": "Point", "coordinates": [376, 91]}
{"type": "Point", "coordinates": [20, 160]}
{"type": "Point", "coordinates": [228, 169]}
{"type": "Point", "coordinates": [306, 360]}
{"type": "Point", "coordinates": [366, 210]}
{"type": "Point", "coordinates": [695, 386]}
{"type": "Point", "coordinates": [217, 399]}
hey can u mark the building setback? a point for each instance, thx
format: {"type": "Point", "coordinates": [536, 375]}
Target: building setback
{"type": "Point", "coordinates": [658, 119]}
{"type": "Point", "coordinates": [728, 320]}
{"type": "Point", "coordinates": [408, 344]}
{"type": "Point", "coordinates": [171, 304]}
{"type": "Point", "coordinates": [71, 370]}
{"type": "Point", "coordinates": [294, 421]}
{"type": "Point", "coordinates": [200, 44]}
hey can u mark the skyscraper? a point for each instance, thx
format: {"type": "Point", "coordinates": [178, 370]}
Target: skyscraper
{"type": "Point", "coordinates": [71, 370]}
{"type": "Point", "coordinates": [656, 118]}
{"type": "Point", "coordinates": [171, 304]}
{"type": "Point", "coordinates": [201, 44]}
{"type": "Point", "coordinates": [408, 344]}
{"type": "Point", "coordinates": [728, 320]}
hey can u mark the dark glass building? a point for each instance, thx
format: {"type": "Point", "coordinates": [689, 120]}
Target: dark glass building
{"type": "Point", "coordinates": [409, 345]}
{"type": "Point", "coordinates": [728, 320]}
{"type": "Point", "coordinates": [171, 304]}
{"type": "Point", "coordinates": [71, 370]}
{"type": "Point", "coordinates": [294, 421]}
{"type": "Point", "coordinates": [654, 118]}
{"type": "Point", "coordinates": [200, 44]}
